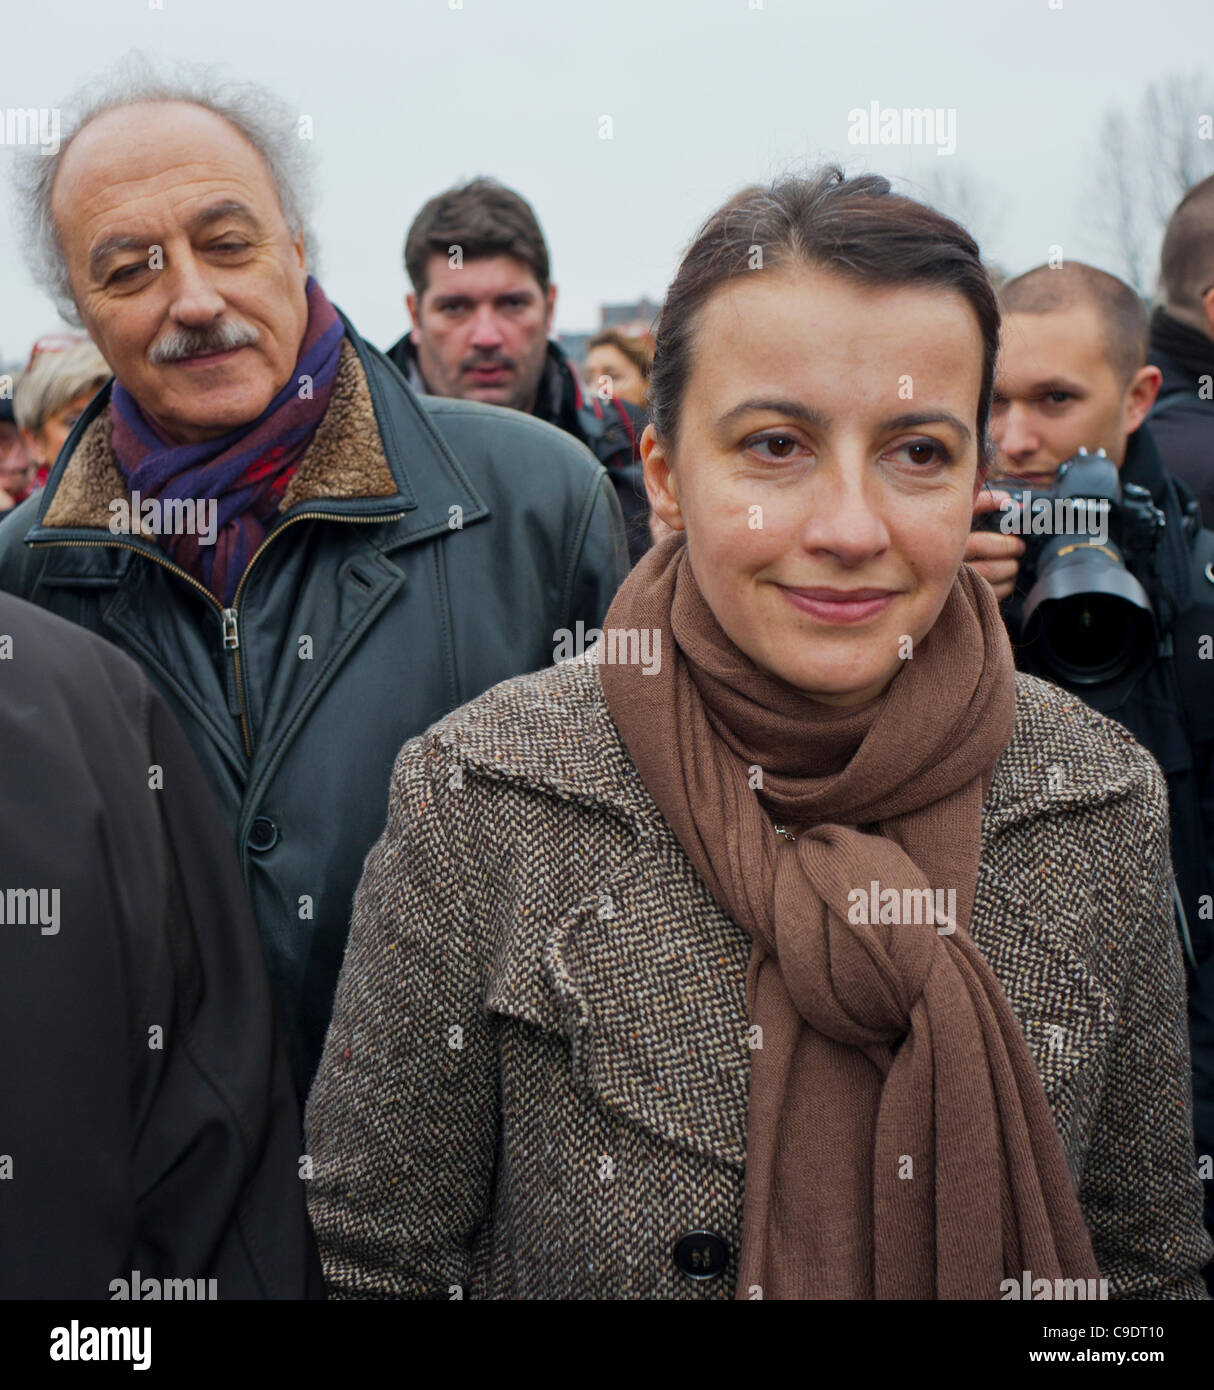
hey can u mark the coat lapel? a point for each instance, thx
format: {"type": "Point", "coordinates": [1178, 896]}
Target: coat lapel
{"type": "Point", "coordinates": [645, 978]}
{"type": "Point", "coordinates": [638, 968]}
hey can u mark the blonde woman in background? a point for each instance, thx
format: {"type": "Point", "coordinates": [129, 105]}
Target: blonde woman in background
{"type": "Point", "coordinates": [64, 373]}
{"type": "Point", "coordinates": [623, 361]}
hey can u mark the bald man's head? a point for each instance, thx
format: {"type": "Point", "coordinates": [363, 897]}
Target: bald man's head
{"type": "Point", "coordinates": [1121, 313]}
{"type": "Point", "coordinates": [1186, 261]}
{"type": "Point", "coordinates": [1072, 370]}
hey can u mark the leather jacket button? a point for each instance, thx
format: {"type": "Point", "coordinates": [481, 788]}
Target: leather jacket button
{"type": "Point", "coordinates": [701, 1255]}
{"type": "Point", "coordinates": [263, 834]}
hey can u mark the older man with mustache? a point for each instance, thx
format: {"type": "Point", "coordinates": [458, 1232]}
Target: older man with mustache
{"type": "Point", "coordinates": [379, 558]}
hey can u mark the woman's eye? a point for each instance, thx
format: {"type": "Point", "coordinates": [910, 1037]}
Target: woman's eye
{"type": "Point", "coordinates": [1058, 397]}
{"type": "Point", "coordinates": [779, 446]}
{"type": "Point", "coordinates": [924, 452]}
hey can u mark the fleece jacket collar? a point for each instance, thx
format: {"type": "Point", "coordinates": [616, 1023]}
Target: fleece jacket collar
{"type": "Point", "coordinates": [345, 459]}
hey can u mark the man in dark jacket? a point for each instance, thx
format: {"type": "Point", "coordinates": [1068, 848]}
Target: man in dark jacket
{"type": "Point", "coordinates": [312, 564]}
{"type": "Point", "coordinates": [1073, 375]}
{"type": "Point", "coordinates": [482, 307]}
{"type": "Point", "coordinates": [150, 1130]}
{"type": "Point", "coordinates": [1182, 346]}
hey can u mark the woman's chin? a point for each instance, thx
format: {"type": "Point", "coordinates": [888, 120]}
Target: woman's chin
{"type": "Point", "coordinates": [831, 685]}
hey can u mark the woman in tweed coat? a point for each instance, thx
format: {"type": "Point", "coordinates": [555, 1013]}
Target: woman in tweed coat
{"type": "Point", "coordinates": [543, 1078]}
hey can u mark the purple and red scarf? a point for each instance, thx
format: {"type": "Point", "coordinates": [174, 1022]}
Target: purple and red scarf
{"type": "Point", "coordinates": [246, 471]}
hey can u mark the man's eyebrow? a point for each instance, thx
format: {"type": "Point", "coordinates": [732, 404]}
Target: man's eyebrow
{"type": "Point", "coordinates": [816, 419]}
{"type": "Point", "coordinates": [111, 245]}
{"type": "Point", "coordinates": [1043, 388]}
{"type": "Point", "coordinates": [230, 207]}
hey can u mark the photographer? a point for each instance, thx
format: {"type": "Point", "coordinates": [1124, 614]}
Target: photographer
{"type": "Point", "coordinates": [1072, 376]}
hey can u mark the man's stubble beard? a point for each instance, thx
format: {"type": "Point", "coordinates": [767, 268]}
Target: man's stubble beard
{"type": "Point", "coordinates": [522, 395]}
{"type": "Point", "coordinates": [535, 377]}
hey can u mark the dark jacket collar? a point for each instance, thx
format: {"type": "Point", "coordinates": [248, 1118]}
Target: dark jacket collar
{"type": "Point", "coordinates": [1182, 353]}
{"type": "Point", "coordinates": [558, 399]}
{"type": "Point", "coordinates": [1169, 585]}
{"type": "Point", "coordinates": [1144, 466]}
{"type": "Point", "coordinates": [610, 431]}
{"type": "Point", "coordinates": [586, 417]}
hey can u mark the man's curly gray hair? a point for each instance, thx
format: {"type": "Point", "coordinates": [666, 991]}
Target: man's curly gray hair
{"type": "Point", "coordinates": [266, 122]}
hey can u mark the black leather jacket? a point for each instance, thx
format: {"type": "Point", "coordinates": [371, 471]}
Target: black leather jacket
{"type": "Point", "coordinates": [611, 430]}
{"type": "Point", "coordinates": [361, 621]}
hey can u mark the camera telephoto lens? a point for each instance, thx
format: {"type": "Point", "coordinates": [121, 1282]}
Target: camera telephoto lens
{"type": "Point", "coordinates": [1091, 638]}
{"type": "Point", "coordinates": [1087, 620]}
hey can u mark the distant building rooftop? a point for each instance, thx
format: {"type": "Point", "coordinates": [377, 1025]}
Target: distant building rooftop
{"type": "Point", "coordinates": [638, 316]}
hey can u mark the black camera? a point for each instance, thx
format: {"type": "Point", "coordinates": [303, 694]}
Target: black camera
{"type": "Point", "coordinates": [1086, 618]}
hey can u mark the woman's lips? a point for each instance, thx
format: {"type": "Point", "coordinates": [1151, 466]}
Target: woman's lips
{"type": "Point", "coordinates": [841, 607]}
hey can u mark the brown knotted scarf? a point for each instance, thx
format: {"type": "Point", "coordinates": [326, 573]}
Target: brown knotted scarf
{"type": "Point", "coordinates": [899, 1141]}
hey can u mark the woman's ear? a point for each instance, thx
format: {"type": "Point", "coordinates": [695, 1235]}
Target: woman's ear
{"type": "Point", "coordinates": [661, 481]}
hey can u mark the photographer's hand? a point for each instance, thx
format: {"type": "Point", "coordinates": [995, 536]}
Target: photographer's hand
{"type": "Point", "coordinates": [995, 556]}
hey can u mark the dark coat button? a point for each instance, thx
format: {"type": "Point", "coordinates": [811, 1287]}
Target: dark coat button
{"type": "Point", "coordinates": [701, 1255]}
{"type": "Point", "coordinates": [263, 834]}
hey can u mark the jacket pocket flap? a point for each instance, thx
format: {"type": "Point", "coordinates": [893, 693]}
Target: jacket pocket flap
{"type": "Point", "coordinates": [633, 976]}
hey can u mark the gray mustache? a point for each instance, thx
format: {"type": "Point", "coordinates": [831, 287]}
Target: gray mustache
{"type": "Point", "coordinates": [190, 342]}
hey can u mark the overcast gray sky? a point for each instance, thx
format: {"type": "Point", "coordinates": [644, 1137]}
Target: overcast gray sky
{"type": "Point", "coordinates": [704, 96]}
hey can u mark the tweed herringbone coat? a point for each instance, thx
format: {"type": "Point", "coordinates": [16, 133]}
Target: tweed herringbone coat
{"type": "Point", "coordinates": [535, 1080]}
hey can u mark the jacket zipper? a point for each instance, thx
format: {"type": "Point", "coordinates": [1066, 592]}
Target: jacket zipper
{"type": "Point", "coordinates": [229, 617]}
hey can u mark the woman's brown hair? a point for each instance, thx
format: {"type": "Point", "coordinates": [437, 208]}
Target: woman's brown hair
{"type": "Point", "coordinates": [637, 348]}
{"type": "Point", "coordinates": [857, 228]}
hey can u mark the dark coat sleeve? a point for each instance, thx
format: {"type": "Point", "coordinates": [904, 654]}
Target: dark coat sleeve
{"type": "Point", "coordinates": [602, 562]}
{"type": "Point", "coordinates": [149, 1122]}
{"type": "Point", "coordinates": [219, 1162]}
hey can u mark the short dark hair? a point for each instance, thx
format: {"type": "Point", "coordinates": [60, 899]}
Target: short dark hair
{"type": "Point", "coordinates": [1186, 261]}
{"type": "Point", "coordinates": [856, 228]}
{"type": "Point", "coordinates": [1046, 288]}
{"type": "Point", "coordinates": [483, 218]}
